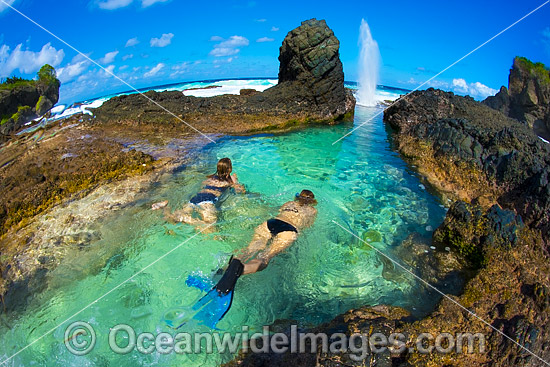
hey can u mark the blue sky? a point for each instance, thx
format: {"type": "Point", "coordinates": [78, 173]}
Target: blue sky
{"type": "Point", "coordinates": [152, 42]}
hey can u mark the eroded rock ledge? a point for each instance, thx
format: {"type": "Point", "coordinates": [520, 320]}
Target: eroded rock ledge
{"type": "Point", "coordinates": [472, 152]}
{"type": "Point", "coordinates": [310, 90]}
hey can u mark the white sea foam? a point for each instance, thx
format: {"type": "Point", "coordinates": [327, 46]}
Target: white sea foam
{"type": "Point", "coordinates": [544, 140]}
{"type": "Point", "coordinates": [222, 87]}
{"type": "Point", "coordinates": [82, 108]}
{"type": "Point", "coordinates": [230, 87]}
{"type": "Point", "coordinates": [382, 97]}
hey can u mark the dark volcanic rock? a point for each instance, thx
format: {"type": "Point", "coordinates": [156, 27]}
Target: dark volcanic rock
{"type": "Point", "coordinates": [310, 89]}
{"type": "Point", "coordinates": [309, 55]}
{"type": "Point", "coordinates": [509, 156]}
{"type": "Point", "coordinates": [479, 151]}
{"type": "Point", "coordinates": [527, 98]}
{"type": "Point", "coordinates": [490, 159]}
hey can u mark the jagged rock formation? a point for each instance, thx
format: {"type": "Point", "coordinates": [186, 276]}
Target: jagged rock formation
{"type": "Point", "coordinates": [474, 152]}
{"type": "Point", "coordinates": [311, 89]}
{"type": "Point", "coordinates": [527, 98]}
{"type": "Point", "coordinates": [309, 56]}
{"type": "Point", "coordinates": [25, 100]}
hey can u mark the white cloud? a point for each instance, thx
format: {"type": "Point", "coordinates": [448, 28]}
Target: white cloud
{"type": "Point", "coordinates": [109, 70]}
{"type": "Point", "coordinates": [28, 61]}
{"type": "Point", "coordinates": [154, 70]}
{"type": "Point", "coordinates": [460, 85]}
{"type": "Point", "coordinates": [163, 41]}
{"type": "Point", "coordinates": [216, 38]}
{"type": "Point", "coordinates": [274, 29]}
{"type": "Point", "coordinates": [482, 90]}
{"type": "Point", "coordinates": [146, 3]}
{"type": "Point", "coordinates": [476, 89]}
{"type": "Point", "coordinates": [265, 39]}
{"type": "Point", "coordinates": [73, 69]}
{"type": "Point", "coordinates": [114, 4]}
{"type": "Point", "coordinates": [229, 47]}
{"type": "Point", "coordinates": [234, 41]}
{"type": "Point", "coordinates": [126, 57]}
{"type": "Point", "coordinates": [123, 67]}
{"type": "Point", "coordinates": [224, 51]}
{"type": "Point", "coordinates": [108, 58]}
{"type": "Point", "coordinates": [263, 20]}
{"type": "Point", "coordinates": [132, 42]}
{"type": "Point", "coordinates": [4, 6]}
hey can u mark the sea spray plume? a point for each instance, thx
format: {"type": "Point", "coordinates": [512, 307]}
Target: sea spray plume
{"type": "Point", "coordinates": [369, 65]}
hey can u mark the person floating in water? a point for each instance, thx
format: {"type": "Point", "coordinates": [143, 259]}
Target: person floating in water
{"type": "Point", "coordinates": [205, 202]}
{"type": "Point", "coordinates": [280, 232]}
{"type": "Point", "coordinates": [270, 238]}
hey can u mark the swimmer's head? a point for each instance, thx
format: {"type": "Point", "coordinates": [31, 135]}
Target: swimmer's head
{"type": "Point", "coordinates": [224, 168]}
{"type": "Point", "coordinates": [306, 197]}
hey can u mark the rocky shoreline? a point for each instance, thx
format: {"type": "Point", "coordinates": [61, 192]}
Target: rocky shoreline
{"type": "Point", "coordinates": [492, 166]}
{"type": "Point", "coordinates": [495, 170]}
{"type": "Point", "coordinates": [130, 139]}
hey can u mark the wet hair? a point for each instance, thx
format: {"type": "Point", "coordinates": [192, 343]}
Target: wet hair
{"type": "Point", "coordinates": [223, 170]}
{"type": "Point", "coordinates": [306, 197]}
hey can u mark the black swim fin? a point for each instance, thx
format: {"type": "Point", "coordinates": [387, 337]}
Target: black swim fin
{"type": "Point", "coordinates": [230, 276]}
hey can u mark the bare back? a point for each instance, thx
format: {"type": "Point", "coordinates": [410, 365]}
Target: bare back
{"type": "Point", "coordinates": [300, 216]}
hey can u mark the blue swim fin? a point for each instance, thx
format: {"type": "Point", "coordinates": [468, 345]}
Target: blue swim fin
{"type": "Point", "coordinates": [213, 306]}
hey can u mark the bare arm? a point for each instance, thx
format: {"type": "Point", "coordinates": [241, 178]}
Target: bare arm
{"type": "Point", "coordinates": [238, 187]}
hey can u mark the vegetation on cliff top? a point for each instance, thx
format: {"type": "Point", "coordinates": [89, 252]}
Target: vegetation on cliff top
{"type": "Point", "coordinates": [46, 75]}
{"type": "Point", "coordinates": [538, 69]}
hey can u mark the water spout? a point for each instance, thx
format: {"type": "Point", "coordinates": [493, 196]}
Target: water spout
{"type": "Point", "coordinates": [369, 64]}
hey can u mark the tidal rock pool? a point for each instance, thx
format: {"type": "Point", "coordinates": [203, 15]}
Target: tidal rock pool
{"type": "Point", "coordinates": [359, 182]}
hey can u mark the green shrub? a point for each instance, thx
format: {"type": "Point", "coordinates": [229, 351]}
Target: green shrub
{"type": "Point", "coordinates": [47, 75]}
{"type": "Point", "coordinates": [538, 69]}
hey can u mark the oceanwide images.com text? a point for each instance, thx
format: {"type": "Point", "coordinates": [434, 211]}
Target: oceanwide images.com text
{"type": "Point", "coordinates": [80, 339]}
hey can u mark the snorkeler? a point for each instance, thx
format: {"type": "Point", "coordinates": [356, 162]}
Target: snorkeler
{"type": "Point", "coordinates": [282, 231]}
{"type": "Point", "coordinates": [206, 200]}
{"type": "Point", "coordinates": [270, 238]}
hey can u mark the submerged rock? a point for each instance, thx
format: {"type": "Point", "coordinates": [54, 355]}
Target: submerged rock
{"type": "Point", "coordinates": [310, 90]}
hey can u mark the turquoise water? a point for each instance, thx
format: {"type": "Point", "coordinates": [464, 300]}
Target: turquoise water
{"type": "Point", "coordinates": [359, 182]}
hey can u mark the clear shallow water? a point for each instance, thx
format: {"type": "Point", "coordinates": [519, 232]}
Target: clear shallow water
{"type": "Point", "coordinates": [359, 182]}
